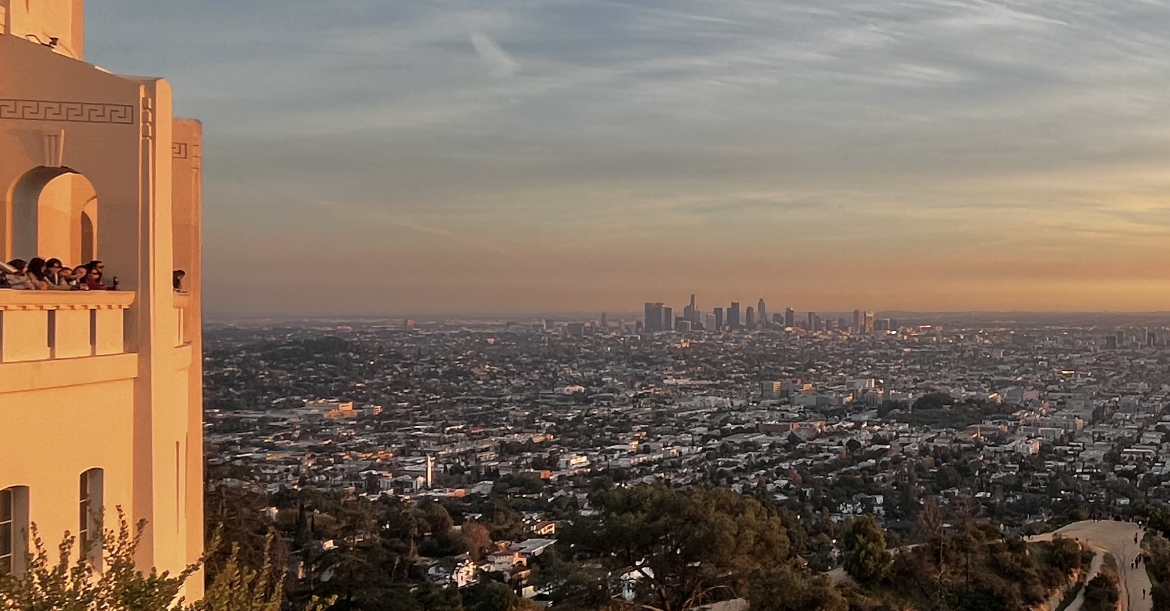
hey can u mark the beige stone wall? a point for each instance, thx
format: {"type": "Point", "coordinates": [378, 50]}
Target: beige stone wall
{"type": "Point", "coordinates": [108, 381]}
{"type": "Point", "coordinates": [42, 20]}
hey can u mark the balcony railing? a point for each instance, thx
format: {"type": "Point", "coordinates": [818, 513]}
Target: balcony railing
{"type": "Point", "coordinates": [182, 301]}
{"type": "Point", "coordinates": [45, 325]}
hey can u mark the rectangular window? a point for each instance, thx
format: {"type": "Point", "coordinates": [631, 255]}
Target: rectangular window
{"type": "Point", "coordinates": [7, 531]}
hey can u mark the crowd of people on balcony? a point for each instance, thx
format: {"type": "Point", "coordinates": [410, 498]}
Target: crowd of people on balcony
{"type": "Point", "coordinates": [38, 274]}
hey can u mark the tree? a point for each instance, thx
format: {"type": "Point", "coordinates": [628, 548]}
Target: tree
{"type": "Point", "coordinates": [1102, 593]}
{"type": "Point", "coordinates": [1066, 555]}
{"type": "Point", "coordinates": [239, 588]}
{"type": "Point", "coordinates": [866, 558]}
{"type": "Point", "coordinates": [491, 596]}
{"type": "Point", "coordinates": [784, 589]}
{"type": "Point", "coordinates": [477, 538]}
{"type": "Point", "coordinates": [65, 584]}
{"type": "Point", "coordinates": [685, 547]}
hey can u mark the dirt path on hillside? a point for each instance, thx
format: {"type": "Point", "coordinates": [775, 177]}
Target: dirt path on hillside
{"type": "Point", "coordinates": [1116, 538]}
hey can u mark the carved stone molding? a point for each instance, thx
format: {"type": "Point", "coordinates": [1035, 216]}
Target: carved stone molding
{"type": "Point", "coordinates": [179, 150]}
{"type": "Point", "coordinates": [71, 112]}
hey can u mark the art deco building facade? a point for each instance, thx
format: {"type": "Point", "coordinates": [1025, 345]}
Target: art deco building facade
{"type": "Point", "coordinates": [100, 391]}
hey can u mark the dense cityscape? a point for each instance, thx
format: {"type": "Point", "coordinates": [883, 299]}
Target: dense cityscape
{"type": "Point", "coordinates": [1026, 424]}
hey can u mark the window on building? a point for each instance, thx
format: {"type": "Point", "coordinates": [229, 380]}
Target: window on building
{"type": "Point", "coordinates": [7, 538]}
{"type": "Point", "coordinates": [13, 529]}
{"type": "Point", "coordinates": [89, 528]}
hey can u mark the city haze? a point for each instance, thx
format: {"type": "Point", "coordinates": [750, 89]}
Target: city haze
{"type": "Point", "coordinates": [368, 157]}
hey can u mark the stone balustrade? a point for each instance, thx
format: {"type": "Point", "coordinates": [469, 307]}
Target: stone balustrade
{"type": "Point", "coordinates": [182, 302]}
{"type": "Point", "coordinates": [50, 325]}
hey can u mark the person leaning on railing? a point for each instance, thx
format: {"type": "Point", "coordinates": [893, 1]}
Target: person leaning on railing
{"type": "Point", "coordinates": [93, 279]}
{"type": "Point", "coordinates": [57, 276]}
{"type": "Point", "coordinates": [16, 276]}
{"type": "Point", "coordinates": [40, 275]}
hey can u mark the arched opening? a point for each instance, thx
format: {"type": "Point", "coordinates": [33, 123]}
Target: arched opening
{"type": "Point", "coordinates": [91, 500]}
{"type": "Point", "coordinates": [88, 252]}
{"type": "Point", "coordinates": [13, 530]}
{"type": "Point", "coordinates": [54, 214]}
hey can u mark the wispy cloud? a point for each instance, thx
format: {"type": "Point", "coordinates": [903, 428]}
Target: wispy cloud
{"type": "Point", "coordinates": [500, 63]}
{"type": "Point", "coordinates": [613, 131]}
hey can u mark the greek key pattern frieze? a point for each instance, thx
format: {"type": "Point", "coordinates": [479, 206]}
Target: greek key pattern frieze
{"type": "Point", "coordinates": [179, 150]}
{"type": "Point", "coordinates": [71, 112]}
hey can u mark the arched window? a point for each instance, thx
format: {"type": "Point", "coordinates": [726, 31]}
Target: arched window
{"type": "Point", "coordinates": [89, 527]}
{"type": "Point", "coordinates": [88, 252]}
{"type": "Point", "coordinates": [13, 529]}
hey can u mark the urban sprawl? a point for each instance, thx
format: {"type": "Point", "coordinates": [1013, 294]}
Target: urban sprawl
{"type": "Point", "coordinates": [832, 418]}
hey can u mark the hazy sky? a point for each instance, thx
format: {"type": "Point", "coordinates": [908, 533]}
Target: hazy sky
{"type": "Point", "coordinates": [404, 156]}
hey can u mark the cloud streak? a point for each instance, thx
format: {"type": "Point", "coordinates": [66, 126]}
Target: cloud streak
{"type": "Point", "coordinates": [499, 62]}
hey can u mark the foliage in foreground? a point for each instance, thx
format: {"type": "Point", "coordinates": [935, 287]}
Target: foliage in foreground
{"type": "Point", "coordinates": [1102, 592]}
{"type": "Point", "coordinates": [677, 549]}
{"type": "Point", "coordinates": [72, 582]}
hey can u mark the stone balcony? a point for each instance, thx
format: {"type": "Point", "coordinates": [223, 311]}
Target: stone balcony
{"type": "Point", "coordinates": [59, 325]}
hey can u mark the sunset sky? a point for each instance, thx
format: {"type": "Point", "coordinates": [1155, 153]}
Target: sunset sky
{"type": "Point", "coordinates": [403, 157]}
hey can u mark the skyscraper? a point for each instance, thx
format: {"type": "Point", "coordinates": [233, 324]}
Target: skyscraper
{"type": "Point", "coordinates": [762, 312]}
{"type": "Point", "coordinates": [812, 321]}
{"type": "Point", "coordinates": [718, 320]}
{"type": "Point", "coordinates": [856, 328]}
{"type": "Point", "coordinates": [653, 317]}
{"type": "Point", "coordinates": [667, 319]}
{"type": "Point", "coordinates": [749, 318]}
{"type": "Point", "coordinates": [733, 316]}
{"type": "Point", "coordinates": [789, 318]}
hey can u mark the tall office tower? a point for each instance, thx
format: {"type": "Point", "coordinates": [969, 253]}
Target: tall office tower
{"type": "Point", "coordinates": [812, 321]}
{"type": "Point", "coordinates": [789, 318]}
{"type": "Point", "coordinates": [709, 323]}
{"type": "Point", "coordinates": [777, 320]}
{"type": "Point", "coordinates": [856, 328]}
{"type": "Point", "coordinates": [653, 317]}
{"type": "Point", "coordinates": [867, 323]}
{"type": "Point", "coordinates": [101, 392]}
{"type": "Point", "coordinates": [604, 322]}
{"type": "Point", "coordinates": [894, 325]}
{"type": "Point", "coordinates": [842, 323]}
{"type": "Point", "coordinates": [667, 319]}
{"type": "Point", "coordinates": [718, 319]}
{"type": "Point", "coordinates": [749, 318]}
{"type": "Point", "coordinates": [682, 325]}
{"type": "Point", "coordinates": [733, 316]}
{"type": "Point", "coordinates": [690, 313]}
{"type": "Point", "coordinates": [762, 312]}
